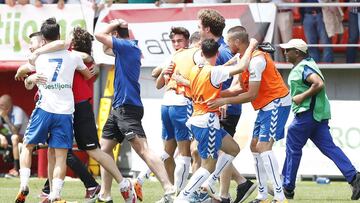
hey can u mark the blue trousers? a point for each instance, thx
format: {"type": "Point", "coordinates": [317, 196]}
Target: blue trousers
{"type": "Point", "coordinates": [302, 128]}
{"type": "Point", "coordinates": [353, 37]}
{"type": "Point", "coordinates": [315, 33]}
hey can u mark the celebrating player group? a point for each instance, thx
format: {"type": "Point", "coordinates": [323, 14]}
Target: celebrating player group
{"type": "Point", "coordinates": [206, 80]}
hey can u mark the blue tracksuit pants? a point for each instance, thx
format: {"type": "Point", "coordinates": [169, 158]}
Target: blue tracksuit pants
{"type": "Point", "coordinates": [302, 128]}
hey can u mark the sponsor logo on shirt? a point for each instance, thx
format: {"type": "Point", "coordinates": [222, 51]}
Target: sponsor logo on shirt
{"type": "Point", "coordinates": [57, 86]}
{"type": "Point", "coordinates": [252, 74]}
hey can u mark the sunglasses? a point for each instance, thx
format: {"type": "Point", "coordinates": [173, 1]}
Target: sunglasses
{"type": "Point", "coordinates": [287, 50]}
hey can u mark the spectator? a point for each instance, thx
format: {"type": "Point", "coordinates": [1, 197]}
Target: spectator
{"type": "Point", "coordinates": [39, 3]}
{"type": "Point", "coordinates": [208, 1]}
{"type": "Point", "coordinates": [353, 32]}
{"type": "Point", "coordinates": [284, 24]}
{"type": "Point", "coordinates": [333, 17]}
{"type": "Point", "coordinates": [12, 3]}
{"type": "Point", "coordinates": [14, 120]}
{"type": "Point", "coordinates": [243, 1]}
{"type": "Point", "coordinates": [314, 28]}
{"type": "Point", "coordinates": [141, 1]}
{"type": "Point", "coordinates": [99, 5]}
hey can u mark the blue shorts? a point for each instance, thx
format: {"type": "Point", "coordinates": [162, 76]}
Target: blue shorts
{"type": "Point", "coordinates": [270, 124]}
{"type": "Point", "coordinates": [209, 139]}
{"type": "Point", "coordinates": [174, 122]}
{"type": "Point", "coordinates": [55, 129]}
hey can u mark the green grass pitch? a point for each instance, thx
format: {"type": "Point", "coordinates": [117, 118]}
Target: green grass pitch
{"type": "Point", "coordinates": [74, 191]}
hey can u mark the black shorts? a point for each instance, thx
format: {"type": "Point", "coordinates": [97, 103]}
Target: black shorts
{"type": "Point", "coordinates": [85, 131]}
{"type": "Point", "coordinates": [124, 122]}
{"type": "Point", "coordinates": [229, 123]}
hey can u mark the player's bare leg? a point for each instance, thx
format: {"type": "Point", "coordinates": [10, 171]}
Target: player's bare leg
{"type": "Point", "coordinates": [154, 162]}
{"type": "Point", "coordinates": [169, 148]}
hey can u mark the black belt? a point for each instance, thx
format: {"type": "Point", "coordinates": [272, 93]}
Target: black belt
{"type": "Point", "coordinates": [314, 12]}
{"type": "Point", "coordinates": [284, 10]}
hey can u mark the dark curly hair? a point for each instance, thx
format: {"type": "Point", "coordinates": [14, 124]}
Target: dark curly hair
{"type": "Point", "coordinates": [213, 19]}
{"type": "Point", "coordinates": [82, 40]}
{"type": "Point", "coordinates": [179, 31]}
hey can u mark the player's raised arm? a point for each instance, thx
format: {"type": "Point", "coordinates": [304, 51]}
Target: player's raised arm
{"type": "Point", "coordinates": [105, 37]}
{"type": "Point", "coordinates": [243, 62]}
{"type": "Point", "coordinates": [84, 56]}
{"type": "Point", "coordinates": [232, 61]}
{"type": "Point", "coordinates": [108, 51]}
{"type": "Point", "coordinates": [53, 46]}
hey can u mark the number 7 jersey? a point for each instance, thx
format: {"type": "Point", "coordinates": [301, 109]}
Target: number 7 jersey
{"type": "Point", "coordinates": [56, 95]}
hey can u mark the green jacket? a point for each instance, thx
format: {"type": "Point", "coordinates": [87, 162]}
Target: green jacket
{"type": "Point", "coordinates": [298, 85]}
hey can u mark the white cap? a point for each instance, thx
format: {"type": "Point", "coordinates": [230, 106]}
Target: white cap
{"type": "Point", "coordinates": [297, 44]}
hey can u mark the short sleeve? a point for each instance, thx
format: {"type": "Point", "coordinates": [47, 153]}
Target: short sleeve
{"type": "Point", "coordinates": [79, 62]}
{"type": "Point", "coordinates": [17, 117]}
{"type": "Point", "coordinates": [307, 72]}
{"type": "Point", "coordinates": [219, 74]}
{"type": "Point", "coordinates": [256, 67]}
{"type": "Point", "coordinates": [119, 44]}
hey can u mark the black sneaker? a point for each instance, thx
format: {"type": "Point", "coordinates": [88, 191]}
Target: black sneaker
{"type": "Point", "coordinates": [225, 200]}
{"type": "Point", "coordinates": [289, 194]}
{"type": "Point", "coordinates": [244, 190]}
{"type": "Point", "coordinates": [356, 187]}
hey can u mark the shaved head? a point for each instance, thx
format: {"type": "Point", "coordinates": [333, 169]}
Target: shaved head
{"type": "Point", "coordinates": [5, 102]}
{"type": "Point", "coordinates": [238, 32]}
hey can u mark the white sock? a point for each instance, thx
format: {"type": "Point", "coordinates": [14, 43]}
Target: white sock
{"type": "Point", "coordinates": [272, 169]}
{"type": "Point", "coordinates": [105, 199]}
{"type": "Point", "coordinates": [196, 180]}
{"type": "Point", "coordinates": [145, 174]}
{"type": "Point", "coordinates": [57, 185]}
{"type": "Point", "coordinates": [24, 177]}
{"type": "Point", "coordinates": [124, 184]}
{"type": "Point", "coordinates": [164, 156]}
{"type": "Point", "coordinates": [261, 177]}
{"type": "Point", "coordinates": [223, 161]}
{"type": "Point", "coordinates": [182, 170]}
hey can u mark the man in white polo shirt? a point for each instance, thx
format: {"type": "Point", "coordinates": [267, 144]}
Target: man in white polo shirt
{"type": "Point", "coordinates": [52, 119]}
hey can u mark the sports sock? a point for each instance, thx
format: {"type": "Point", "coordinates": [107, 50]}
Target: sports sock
{"type": "Point", "coordinates": [261, 177]}
{"type": "Point", "coordinates": [182, 170]}
{"type": "Point", "coordinates": [57, 185]}
{"type": "Point", "coordinates": [196, 180]}
{"type": "Point", "coordinates": [164, 156]}
{"type": "Point", "coordinates": [272, 170]}
{"type": "Point", "coordinates": [145, 174]}
{"type": "Point", "coordinates": [24, 177]}
{"type": "Point", "coordinates": [223, 161]}
{"type": "Point", "coordinates": [105, 199]}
